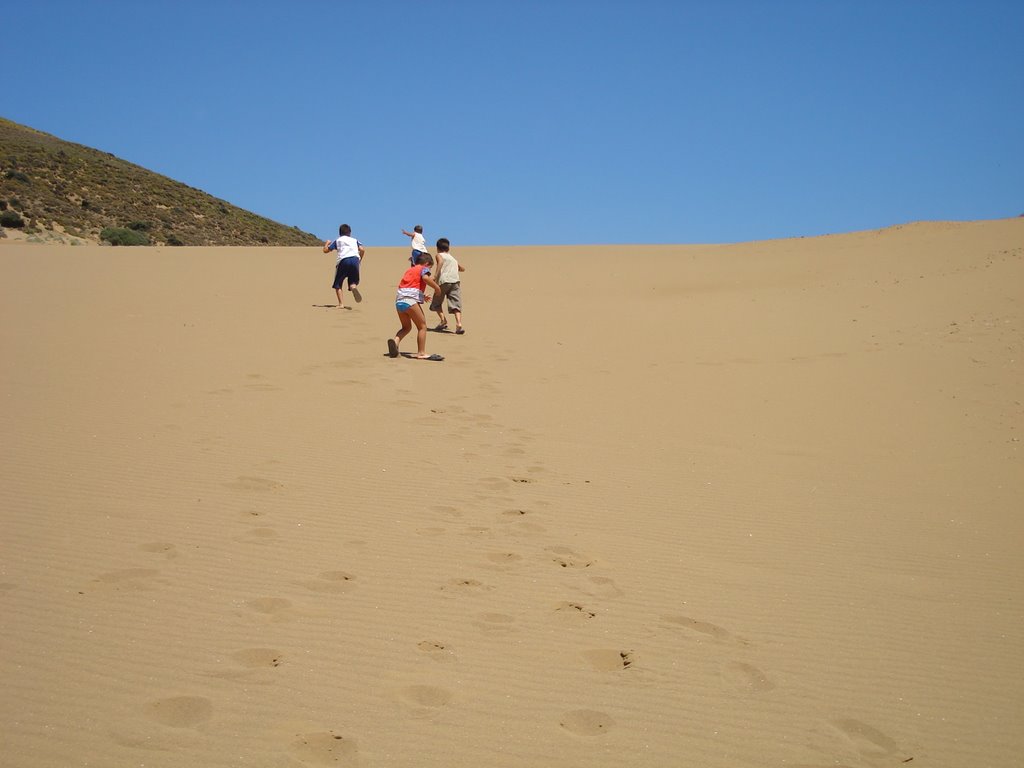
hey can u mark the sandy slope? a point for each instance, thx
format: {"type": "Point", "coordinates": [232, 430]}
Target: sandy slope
{"type": "Point", "coordinates": [751, 505]}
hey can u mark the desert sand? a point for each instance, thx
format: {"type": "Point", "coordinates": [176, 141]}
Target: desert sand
{"type": "Point", "coordinates": [734, 505]}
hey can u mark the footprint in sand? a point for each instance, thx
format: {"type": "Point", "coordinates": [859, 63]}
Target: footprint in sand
{"type": "Point", "coordinates": [587, 722]}
{"type": "Point", "coordinates": [867, 740]}
{"type": "Point", "coordinates": [745, 678]}
{"type": "Point", "coordinates": [255, 484]}
{"type": "Point", "coordinates": [127, 580]}
{"type": "Point", "coordinates": [331, 582]}
{"type": "Point", "coordinates": [503, 558]}
{"type": "Point", "coordinates": [160, 548]}
{"type": "Point", "coordinates": [521, 525]}
{"type": "Point", "coordinates": [448, 511]}
{"type": "Point", "coordinates": [609, 660]}
{"type": "Point", "coordinates": [436, 650]}
{"type": "Point", "coordinates": [602, 587]}
{"type": "Point", "coordinates": [566, 558]}
{"type": "Point", "coordinates": [325, 748]}
{"type": "Point", "coordinates": [703, 629]}
{"type": "Point", "coordinates": [574, 611]}
{"type": "Point", "coordinates": [465, 587]}
{"type": "Point", "coordinates": [252, 664]}
{"type": "Point", "coordinates": [258, 536]}
{"type": "Point", "coordinates": [425, 700]}
{"type": "Point", "coordinates": [180, 711]}
{"type": "Point", "coordinates": [494, 483]}
{"type": "Point", "coordinates": [274, 608]}
{"type": "Point", "coordinates": [258, 658]}
{"type": "Point", "coordinates": [431, 531]}
{"type": "Point", "coordinates": [528, 530]}
{"type": "Point", "coordinates": [496, 623]}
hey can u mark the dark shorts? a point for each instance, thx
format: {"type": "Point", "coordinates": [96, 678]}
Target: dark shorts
{"type": "Point", "coordinates": [346, 269]}
{"type": "Point", "coordinates": [413, 256]}
{"type": "Point", "coordinates": [450, 291]}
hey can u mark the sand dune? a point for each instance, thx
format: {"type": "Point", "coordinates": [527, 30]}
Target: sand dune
{"type": "Point", "coordinates": [746, 505]}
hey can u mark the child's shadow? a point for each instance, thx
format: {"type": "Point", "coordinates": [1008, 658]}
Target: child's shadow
{"type": "Point", "coordinates": [329, 306]}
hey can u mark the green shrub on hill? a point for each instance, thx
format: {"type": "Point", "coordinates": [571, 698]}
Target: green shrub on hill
{"type": "Point", "coordinates": [123, 236]}
{"type": "Point", "coordinates": [11, 220]}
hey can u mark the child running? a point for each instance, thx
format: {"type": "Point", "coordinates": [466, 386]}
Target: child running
{"type": "Point", "coordinates": [408, 304]}
{"type": "Point", "coordinates": [419, 244]}
{"type": "Point", "coordinates": [448, 278]}
{"type": "Point", "coordinates": [346, 267]}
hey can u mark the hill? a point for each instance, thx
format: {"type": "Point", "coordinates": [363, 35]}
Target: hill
{"type": "Point", "coordinates": [71, 191]}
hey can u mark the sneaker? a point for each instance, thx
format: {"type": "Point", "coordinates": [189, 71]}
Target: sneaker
{"type": "Point", "coordinates": [460, 331]}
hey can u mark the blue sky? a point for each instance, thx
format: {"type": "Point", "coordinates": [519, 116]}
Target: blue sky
{"type": "Point", "coordinates": [547, 121]}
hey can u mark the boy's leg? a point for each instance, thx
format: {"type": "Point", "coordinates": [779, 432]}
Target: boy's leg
{"type": "Point", "coordinates": [353, 281]}
{"type": "Point", "coordinates": [339, 282]}
{"type": "Point", "coordinates": [455, 304]}
{"type": "Point", "coordinates": [437, 305]}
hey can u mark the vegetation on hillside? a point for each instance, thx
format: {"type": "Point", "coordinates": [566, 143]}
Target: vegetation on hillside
{"type": "Point", "coordinates": [50, 184]}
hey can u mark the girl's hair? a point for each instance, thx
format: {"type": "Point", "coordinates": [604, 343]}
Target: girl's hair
{"type": "Point", "coordinates": [443, 245]}
{"type": "Point", "coordinates": [344, 230]}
